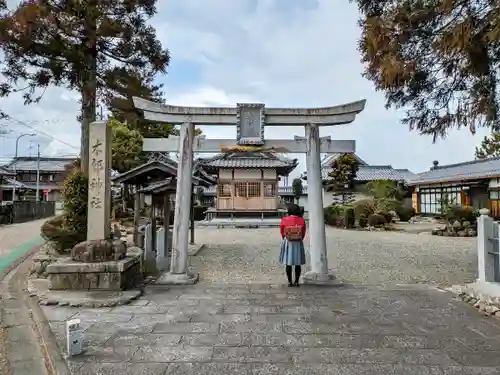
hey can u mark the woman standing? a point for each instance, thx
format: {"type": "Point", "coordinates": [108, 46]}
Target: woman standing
{"type": "Point", "coordinates": [293, 231]}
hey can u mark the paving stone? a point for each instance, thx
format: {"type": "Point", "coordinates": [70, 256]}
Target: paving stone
{"type": "Point", "coordinates": [122, 369]}
{"type": "Point", "coordinates": [213, 339]}
{"type": "Point", "coordinates": [208, 369]}
{"type": "Point", "coordinates": [186, 328]}
{"type": "Point", "coordinates": [180, 353]}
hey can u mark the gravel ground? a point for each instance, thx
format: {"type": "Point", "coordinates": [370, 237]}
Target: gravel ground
{"type": "Point", "coordinates": [372, 258]}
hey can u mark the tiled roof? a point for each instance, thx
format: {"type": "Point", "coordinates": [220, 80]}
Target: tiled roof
{"type": "Point", "coordinates": [248, 160]}
{"type": "Point", "coordinates": [46, 164]}
{"type": "Point", "coordinates": [330, 158]}
{"type": "Point", "coordinates": [5, 172]}
{"type": "Point", "coordinates": [476, 169]}
{"type": "Point", "coordinates": [377, 172]}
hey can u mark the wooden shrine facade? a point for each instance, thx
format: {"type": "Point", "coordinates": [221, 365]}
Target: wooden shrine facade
{"type": "Point", "coordinates": [247, 181]}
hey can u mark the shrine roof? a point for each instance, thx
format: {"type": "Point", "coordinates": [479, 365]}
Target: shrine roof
{"type": "Point", "coordinates": [159, 168]}
{"type": "Point", "coordinates": [248, 160]}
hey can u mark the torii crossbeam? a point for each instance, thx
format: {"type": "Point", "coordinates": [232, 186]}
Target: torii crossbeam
{"type": "Point", "coordinates": [250, 120]}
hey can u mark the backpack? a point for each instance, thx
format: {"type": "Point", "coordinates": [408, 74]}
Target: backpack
{"type": "Point", "coordinates": [293, 233]}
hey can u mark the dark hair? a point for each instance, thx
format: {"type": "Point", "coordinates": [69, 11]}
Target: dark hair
{"type": "Point", "coordinates": [294, 210]}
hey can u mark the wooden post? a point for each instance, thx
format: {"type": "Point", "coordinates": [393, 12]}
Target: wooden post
{"type": "Point", "coordinates": [162, 259]}
{"type": "Point", "coordinates": [191, 238]}
{"type": "Point", "coordinates": [137, 215]}
{"type": "Point", "coordinates": [153, 225]}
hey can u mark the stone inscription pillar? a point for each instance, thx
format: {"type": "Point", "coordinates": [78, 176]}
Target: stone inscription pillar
{"type": "Point", "coordinates": [317, 236]}
{"type": "Point", "coordinates": [99, 199]}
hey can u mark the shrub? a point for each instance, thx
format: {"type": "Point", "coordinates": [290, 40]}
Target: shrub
{"type": "Point", "coordinates": [331, 214]}
{"type": "Point", "coordinates": [460, 213]}
{"type": "Point", "coordinates": [376, 220]}
{"type": "Point", "coordinates": [364, 207]}
{"type": "Point", "coordinates": [349, 217]}
{"type": "Point", "coordinates": [62, 239]}
{"type": "Point", "coordinates": [387, 216]}
{"type": "Point", "coordinates": [362, 221]}
{"type": "Point", "coordinates": [405, 213]}
{"type": "Point", "coordinates": [75, 206]}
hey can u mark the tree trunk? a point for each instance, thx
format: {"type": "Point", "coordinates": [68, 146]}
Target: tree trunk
{"type": "Point", "coordinates": [88, 89]}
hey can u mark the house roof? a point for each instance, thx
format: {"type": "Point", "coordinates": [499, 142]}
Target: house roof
{"type": "Point", "coordinates": [470, 170]}
{"type": "Point", "coordinates": [248, 160]}
{"type": "Point", "coordinates": [27, 163]}
{"type": "Point", "coordinates": [376, 172]}
{"type": "Point", "coordinates": [5, 172]}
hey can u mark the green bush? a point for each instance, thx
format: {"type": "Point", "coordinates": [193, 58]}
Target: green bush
{"type": "Point", "coordinates": [405, 213]}
{"type": "Point", "coordinates": [364, 207]}
{"type": "Point", "coordinates": [376, 220]}
{"type": "Point", "coordinates": [387, 216]}
{"type": "Point", "coordinates": [349, 217]}
{"type": "Point", "coordinates": [461, 213]}
{"type": "Point", "coordinates": [75, 194]}
{"type": "Point", "coordinates": [362, 221]}
{"type": "Point", "coordinates": [331, 214]}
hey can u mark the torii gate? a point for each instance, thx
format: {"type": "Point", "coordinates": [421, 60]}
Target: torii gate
{"type": "Point", "coordinates": [250, 120]}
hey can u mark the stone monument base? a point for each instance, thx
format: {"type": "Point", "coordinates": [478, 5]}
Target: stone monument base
{"type": "Point", "coordinates": [327, 279]}
{"type": "Point", "coordinates": [39, 288]}
{"type": "Point", "coordinates": [123, 274]}
{"type": "Point", "coordinates": [169, 278]}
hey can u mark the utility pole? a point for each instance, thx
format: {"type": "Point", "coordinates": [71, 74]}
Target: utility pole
{"type": "Point", "coordinates": [15, 162]}
{"type": "Point", "coordinates": [38, 174]}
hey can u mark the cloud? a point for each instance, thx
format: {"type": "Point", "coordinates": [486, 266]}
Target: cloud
{"type": "Point", "coordinates": [293, 53]}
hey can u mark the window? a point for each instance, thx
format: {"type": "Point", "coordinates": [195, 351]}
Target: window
{"type": "Point", "coordinates": [240, 189]}
{"type": "Point", "coordinates": [224, 190]}
{"type": "Point", "coordinates": [270, 189]}
{"type": "Point", "coordinates": [494, 195]}
{"type": "Point", "coordinates": [433, 200]}
{"type": "Point", "coordinates": [253, 189]}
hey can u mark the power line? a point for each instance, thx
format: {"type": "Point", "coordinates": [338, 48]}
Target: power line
{"type": "Point", "coordinates": [41, 132]}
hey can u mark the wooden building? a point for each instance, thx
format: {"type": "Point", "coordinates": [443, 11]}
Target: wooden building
{"type": "Point", "coordinates": [475, 183]}
{"type": "Point", "coordinates": [247, 182]}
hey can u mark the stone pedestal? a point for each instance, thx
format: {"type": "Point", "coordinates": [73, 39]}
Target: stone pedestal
{"type": "Point", "coordinates": [327, 279]}
{"type": "Point", "coordinates": [123, 274]}
{"type": "Point", "coordinates": [169, 278]}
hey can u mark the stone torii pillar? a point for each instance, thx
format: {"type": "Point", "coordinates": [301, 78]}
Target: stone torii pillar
{"type": "Point", "coordinates": [249, 120]}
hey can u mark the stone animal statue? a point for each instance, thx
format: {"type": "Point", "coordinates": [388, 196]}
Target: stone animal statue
{"type": "Point", "coordinates": [99, 251]}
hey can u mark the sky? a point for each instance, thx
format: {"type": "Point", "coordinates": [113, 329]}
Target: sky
{"type": "Point", "coordinates": [284, 53]}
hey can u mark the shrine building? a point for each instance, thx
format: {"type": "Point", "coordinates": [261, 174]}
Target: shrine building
{"type": "Point", "coordinates": [247, 181]}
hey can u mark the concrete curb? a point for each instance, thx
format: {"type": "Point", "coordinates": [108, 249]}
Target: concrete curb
{"type": "Point", "coordinates": [16, 282]}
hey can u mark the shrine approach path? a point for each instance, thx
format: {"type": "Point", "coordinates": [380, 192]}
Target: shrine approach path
{"type": "Point", "coordinates": [370, 258]}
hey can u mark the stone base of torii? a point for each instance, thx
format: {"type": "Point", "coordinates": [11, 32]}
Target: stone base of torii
{"type": "Point", "coordinates": [249, 120]}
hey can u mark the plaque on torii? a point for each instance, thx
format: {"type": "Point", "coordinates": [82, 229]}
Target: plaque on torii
{"type": "Point", "coordinates": [250, 120]}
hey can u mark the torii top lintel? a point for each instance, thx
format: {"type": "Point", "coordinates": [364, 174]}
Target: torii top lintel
{"type": "Point", "coordinates": [336, 115]}
{"type": "Point", "coordinates": [249, 118]}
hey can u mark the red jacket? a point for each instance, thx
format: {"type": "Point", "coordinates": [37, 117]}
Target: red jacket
{"type": "Point", "coordinates": [288, 221]}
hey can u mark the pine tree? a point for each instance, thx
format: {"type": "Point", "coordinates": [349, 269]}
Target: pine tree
{"type": "Point", "coordinates": [81, 45]}
{"type": "Point", "coordinates": [438, 59]}
{"type": "Point", "coordinates": [489, 148]}
{"type": "Point", "coordinates": [341, 179]}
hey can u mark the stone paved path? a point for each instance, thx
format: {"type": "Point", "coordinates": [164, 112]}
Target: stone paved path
{"type": "Point", "coordinates": [259, 329]}
{"type": "Point", "coordinates": [240, 320]}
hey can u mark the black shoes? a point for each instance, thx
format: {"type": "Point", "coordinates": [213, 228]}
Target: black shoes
{"type": "Point", "coordinates": [294, 285]}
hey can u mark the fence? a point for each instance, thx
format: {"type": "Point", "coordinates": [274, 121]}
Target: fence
{"type": "Point", "coordinates": [488, 259]}
{"type": "Point", "coordinates": [22, 211]}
